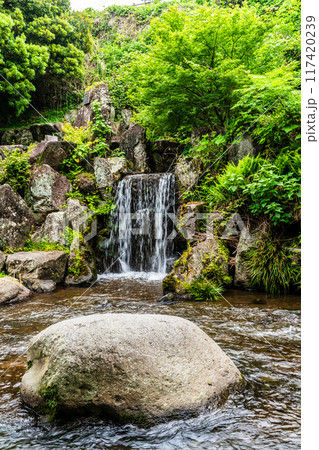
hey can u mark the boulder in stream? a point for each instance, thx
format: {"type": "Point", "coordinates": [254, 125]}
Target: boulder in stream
{"type": "Point", "coordinates": [128, 367]}
{"type": "Point", "coordinates": [12, 291]}
{"type": "Point", "coordinates": [39, 271]}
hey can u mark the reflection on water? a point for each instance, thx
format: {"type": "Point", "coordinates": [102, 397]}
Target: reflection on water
{"type": "Point", "coordinates": [260, 334]}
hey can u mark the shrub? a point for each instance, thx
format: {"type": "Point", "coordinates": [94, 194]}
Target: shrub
{"type": "Point", "coordinates": [272, 268]}
{"type": "Point", "coordinates": [203, 290]}
{"type": "Point", "coordinates": [15, 170]}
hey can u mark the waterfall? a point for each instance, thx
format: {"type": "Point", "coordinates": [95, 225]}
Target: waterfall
{"type": "Point", "coordinates": [141, 238]}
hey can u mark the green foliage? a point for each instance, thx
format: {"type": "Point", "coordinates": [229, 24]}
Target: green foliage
{"type": "Point", "coordinates": [259, 187]}
{"type": "Point", "coordinates": [50, 396]}
{"type": "Point", "coordinates": [15, 170]}
{"type": "Point", "coordinates": [203, 290]}
{"type": "Point", "coordinates": [3, 274]}
{"type": "Point", "coordinates": [78, 266]}
{"type": "Point", "coordinates": [272, 268]}
{"type": "Point", "coordinates": [44, 246]}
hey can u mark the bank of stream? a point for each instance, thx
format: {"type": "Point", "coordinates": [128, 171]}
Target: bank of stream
{"type": "Point", "coordinates": [261, 334]}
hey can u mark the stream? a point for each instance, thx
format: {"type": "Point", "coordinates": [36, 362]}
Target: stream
{"type": "Point", "coordinates": [261, 334]}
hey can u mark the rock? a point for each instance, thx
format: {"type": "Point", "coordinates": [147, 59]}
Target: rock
{"type": "Point", "coordinates": [163, 155]}
{"type": "Point", "coordinates": [20, 136]}
{"type": "Point", "coordinates": [39, 271]}
{"type": "Point", "coordinates": [12, 291]}
{"type": "Point", "coordinates": [192, 215]}
{"type": "Point", "coordinates": [81, 266]}
{"type": "Point", "coordinates": [131, 367]}
{"type": "Point", "coordinates": [51, 153]}
{"type": "Point", "coordinates": [241, 149]}
{"type": "Point", "coordinates": [53, 230]}
{"type": "Point", "coordinates": [85, 183]}
{"type": "Point", "coordinates": [247, 240]}
{"type": "Point", "coordinates": [47, 191]}
{"type": "Point", "coordinates": [207, 259]}
{"type": "Point", "coordinates": [39, 131]}
{"type": "Point", "coordinates": [98, 93]}
{"type": "Point", "coordinates": [126, 115]}
{"type": "Point", "coordinates": [108, 171]}
{"type": "Point", "coordinates": [133, 145]}
{"type": "Point", "coordinates": [187, 172]}
{"type": "Point", "coordinates": [51, 138]}
{"type": "Point", "coordinates": [2, 261]}
{"type": "Point", "coordinates": [56, 225]}
{"type": "Point", "coordinates": [16, 219]}
{"type": "Point", "coordinates": [70, 116]}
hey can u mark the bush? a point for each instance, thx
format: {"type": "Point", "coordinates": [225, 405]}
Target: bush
{"type": "Point", "coordinates": [203, 290]}
{"type": "Point", "coordinates": [272, 268]}
{"type": "Point", "coordinates": [15, 170]}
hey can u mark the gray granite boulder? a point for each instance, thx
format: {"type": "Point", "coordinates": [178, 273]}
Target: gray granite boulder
{"type": "Point", "coordinates": [108, 171]}
{"type": "Point", "coordinates": [39, 271]}
{"type": "Point", "coordinates": [16, 219]}
{"type": "Point", "coordinates": [48, 191]}
{"type": "Point", "coordinates": [20, 136]}
{"type": "Point", "coordinates": [187, 172]}
{"type": "Point", "coordinates": [131, 367]}
{"type": "Point", "coordinates": [241, 149]}
{"type": "Point", "coordinates": [12, 291]}
{"type": "Point", "coordinates": [52, 153]}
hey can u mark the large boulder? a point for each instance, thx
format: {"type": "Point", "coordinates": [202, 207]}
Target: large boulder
{"type": "Point", "coordinates": [133, 145]}
{"type": "Point", "coordinates": [248, 239]}
{"type": "Point", "coordinates": [81, 265]}
{"type": "Point", "coordinates": [16, 219]}
{"type": "Point", "coordinates": [39, 131]}
{"type": "Point", "coordinates": [132, 367]}
{"type": "Point", "coordinates": [39, 271]}
{"type": "Point", "coordinates": [208, 259]}
{"type": "Point", "coordinates": [108, 171]}
{"type": "Point", "coordinates": [12, 291]}
{"type": "Point", "coordinates": [99, 93]}
{"type": "Point", "coordinates": [20, 136]}
{"type": "Point", "coordinates": [48, 190]}
{"type": "Point", "coordinates": [188, 172]}
{"type": "Point", "coordinates": [52, 153]}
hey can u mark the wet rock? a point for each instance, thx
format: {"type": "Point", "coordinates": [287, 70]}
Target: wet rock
{"type": "Point", "coordinates": [51, 153]}
{"type": "Point", "coordinates": [133, 145]}
{"type": "Point", "coordinates": [39, 271]}
{"type": "Point", "coordinates": [108, 171]}
{"type": "Point", "coordinates": [163, 155]}
{"type": "Point", "coordinates": [248, 239]}
{"type": "Point", "coordinates": [207, 259]}
{"type": "Point", "coordinates": [187, 172]}
{"type": "Point", "coordinates": [167, 299]}
{"type": "Point", "coordinates": [81, 266]}
{"type": "Point", "coordinates": [20, 136]}
{"type": "Point", "coordinates": [98, 93]}
{"type": "Point", "coordinates": [12, 291]}
{"type": "Point", "coordinates": [132, 367]}
{"type": "Point", "coordinates": [47, 191]}
{"type": "Point", "coordinates": [16, 219]}
{"type": "Point", "coordinates": [241, 149]}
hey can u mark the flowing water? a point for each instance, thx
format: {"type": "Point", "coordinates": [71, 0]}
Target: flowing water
{"type": "Point", "coordinates": [141, 239]}
{"type": "Point", "coordinates": [260, 334]}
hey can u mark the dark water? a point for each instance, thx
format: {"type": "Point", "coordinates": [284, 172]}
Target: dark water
{"type": "Point", "coordinates": [262, 339]}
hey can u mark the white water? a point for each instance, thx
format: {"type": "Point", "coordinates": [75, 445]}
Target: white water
{"type": "Point", "coordinates": [141, 241]}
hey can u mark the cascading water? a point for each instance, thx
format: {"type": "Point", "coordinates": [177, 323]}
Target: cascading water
{"type": "Point", "coordinates": [141, 239]}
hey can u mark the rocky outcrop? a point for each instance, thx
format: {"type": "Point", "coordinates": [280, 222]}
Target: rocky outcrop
{"type": "Point", "coordinates": [241, 149]}
{"type": "Point", "coordinates": [99, 93]}
{"type": "Point", "coordinates": [48, 191]}
{"type": "Point", "coordinates": [208, 259]}
{"type": "Point", "coordinates": [51, 153]}
{"type": "Point", "coordinates": [12, 291]}
{"type": "Point", "coordinates": [85, 183]}
{"type": "Point", "coordinates": [163, 155]}
{"type": "Point", "coordinates": [133, 145]}
{"type": "Point", "coordinates": [20, 136]}
{"type": "Point", "coordinates": [131, 367]}
{"type": "Point", "coordinates": [16, 219]}
{"type": "Point", "coordinates": [187, 172]}
{"type": "Point", "coordinates": [39, 131]}
{"type": "Point", "coordinates": [108, 171]}
{"type": "Point", "coordinates": [247, 240]}
{"type": "Point", "coordinates": [39, 271]}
